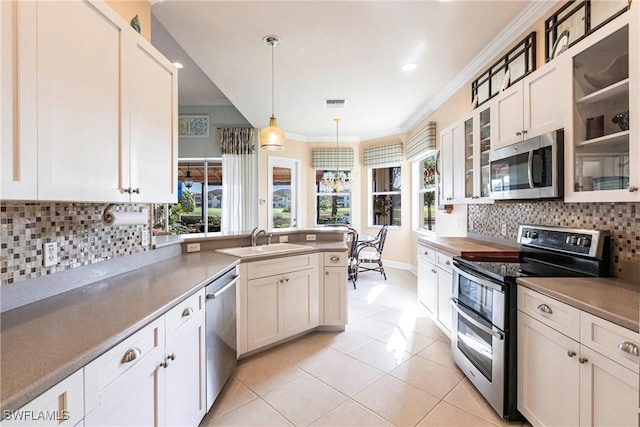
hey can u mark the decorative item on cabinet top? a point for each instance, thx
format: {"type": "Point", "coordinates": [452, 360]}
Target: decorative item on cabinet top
{"type": "Point", "coordinates": [561, 44]}
{"type": "Point", "coordinates": [135, 23]}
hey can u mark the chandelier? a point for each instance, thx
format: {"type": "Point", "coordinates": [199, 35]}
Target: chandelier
{"type": "Point", "coordinates": [336, 181]}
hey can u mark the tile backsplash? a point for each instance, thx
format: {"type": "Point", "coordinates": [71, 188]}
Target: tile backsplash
{"type": "Point", "coordinates": [77, 229]}
{"type": "Point", "coordinates": [620, 219]}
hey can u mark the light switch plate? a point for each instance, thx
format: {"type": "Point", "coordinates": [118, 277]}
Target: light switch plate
{"type": "Point", "coordinates": [50, 254]}
{"type": "Point", "coordinates": [283, 239]}
{"type": "Point", "coordinates": [311, 237]}
{"type": "Point", "coordinates": [144, 238]}
{"type": "Point", "coordinates": [193, 247]}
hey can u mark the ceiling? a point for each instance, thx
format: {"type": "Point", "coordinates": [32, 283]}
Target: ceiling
{"type": "Point", "coordinates": [335, 49]}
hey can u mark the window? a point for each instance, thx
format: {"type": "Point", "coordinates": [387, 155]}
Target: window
{"type": "Point", "coordinates": [283, 192]}
{"type": "Point", "coordinates": [332, 207]}
{"type": "Point", "coordinates": [385, 196]}
{"type": "Point", "coordinates": [425, 182]}
{"type": "Point", "coordinates": [188, 215]}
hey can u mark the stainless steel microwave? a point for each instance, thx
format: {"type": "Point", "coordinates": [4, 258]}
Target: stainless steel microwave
{"type": "Point", "coordinates": [531, 169]}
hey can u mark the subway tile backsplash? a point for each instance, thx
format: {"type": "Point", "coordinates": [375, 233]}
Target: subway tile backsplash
{"type": "Point", "coordinates": [76, 227]}
{"type": "Point", "coordinates": [621, 219]}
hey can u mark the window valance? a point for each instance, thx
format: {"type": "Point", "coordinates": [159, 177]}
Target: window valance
{"type": "Point", "coordinates": [330, 158]}
{"type": "Point", "coordinates": [422, 141]}
{"type": "Point", "coordinates": [383, 154]}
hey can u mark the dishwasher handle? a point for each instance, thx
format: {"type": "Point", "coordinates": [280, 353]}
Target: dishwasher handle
{"type": "Point", "coordinates": [220, 291]}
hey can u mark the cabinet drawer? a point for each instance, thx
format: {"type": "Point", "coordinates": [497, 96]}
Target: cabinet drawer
{"type": "Point", "coordinates": [64, 401]}
{"type": "Point", "coordinates": [444, 261]}
{"type": "Point", "coordinates": [135, 350]}
{"type": "Point", "coordinates": [184, 311]}
{"type": "Point", "coordinates": [271, 267]}
{"type": "Point", "coordinates": [427, 253]}
{"type": "Point", "coordinates": [335, 259]}
{"type": "Point", "coordinates": [551, 312]}
{"type": "Point", "coordinates": [610, 340]}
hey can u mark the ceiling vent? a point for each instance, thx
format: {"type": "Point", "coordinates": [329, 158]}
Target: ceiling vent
{"type": "Point", "coordinates": [334, 103]}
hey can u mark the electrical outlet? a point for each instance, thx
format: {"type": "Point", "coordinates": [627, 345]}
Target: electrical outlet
{"type": "Point", "coordinates": [283, 239]}
{"type": "Point", "coordinates": [144, 238]}
{"type": "Point", "coordinates": [193, 247]}
{"type": "Point", "coordinates": [503, 229]}
{"type": "Point", "coordinates": [470, 225]}
{"type": "Point", "coordinates": [311, 237]}
{"type": "Point", "coordinates": [50, 254]}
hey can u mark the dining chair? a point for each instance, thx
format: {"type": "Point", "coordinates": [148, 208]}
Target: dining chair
{"type": "Point", "coordinates": [369, 253]}
{"type": "Point", "coordinates": [352, 263]}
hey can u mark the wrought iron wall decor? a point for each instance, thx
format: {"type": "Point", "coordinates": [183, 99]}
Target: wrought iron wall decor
{"type": "Point", "coordinates": [193, 126]}
{"type": "Point", "coordinates": [580, 18]}
{"type": "Point", "coordinates": [513, 66]}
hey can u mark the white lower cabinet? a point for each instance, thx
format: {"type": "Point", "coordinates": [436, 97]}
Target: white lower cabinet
{"type": "Point", "coordinates": [61, 405]}
{"type": "Point", "coordinates": [280, 299]}
{"type": "Point", "coordinates": [154, 377]}
{"type": "Point", "coordinates": [435, 285]}
{"type": "Point", "coordinates": [333, 301]}
{"type": "Point", "coordinates": [584, 378]}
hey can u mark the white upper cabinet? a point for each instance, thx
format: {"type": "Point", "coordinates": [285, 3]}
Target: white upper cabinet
{"type": "Point", "coordinates": [603, 159]}
{"type": "Point", "coordinates": [451, 147]}
{"type": "Point", "coordinates": [95, 114]}
{"type": "Point", "coordinates": [474, 176]}
{"type": "Point", "coordinates": [18, 179]}
{"type": "Point", "coordinates": [532, 106]}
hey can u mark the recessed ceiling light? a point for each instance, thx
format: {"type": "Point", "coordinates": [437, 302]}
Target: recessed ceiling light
{"type": "Point", "coordinates": [408, 67]}
{"type": "Point", "coordinates": [177, 65]}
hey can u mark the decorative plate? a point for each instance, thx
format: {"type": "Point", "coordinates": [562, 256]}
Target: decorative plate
{"type": "Point", "coordinates": [561, 44]}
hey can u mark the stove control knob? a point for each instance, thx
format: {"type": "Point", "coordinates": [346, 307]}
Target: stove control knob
{"type": "Point", "coordinates": [534, 235]}
{"type": "Point", "coordinates": [584, 241]}
{"type": "Point", "coordinates": [571, 240]}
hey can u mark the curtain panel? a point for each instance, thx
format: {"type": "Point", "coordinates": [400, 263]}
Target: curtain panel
{"type": "Point", "coordinates": [383, 154]}
{"type": "Point", "coordinates": [330, 158]}
{"type": "Point", "coordinates": [422, 142]}
{"type": "Point", "coordinates": [239, 179]}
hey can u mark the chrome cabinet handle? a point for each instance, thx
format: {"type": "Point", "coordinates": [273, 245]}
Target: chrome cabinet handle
{"type": "Point", "coordinates": [335, 258]}
{"type": "Point", "coordinates": [131, 355]}
{"type": "Point", "coordinates": [632, 188]}
{"type": "Point", "coordinates": [447, 263]}
{"type": "Point", "coordinates": [571, 353]}
{"type": "Point", "coordinates": [164, 365]}
{"type": "Point", "coordinates": [629, 347]}
{"type": "Point", "coordinates": [518, 133]}
{"type": "Point", "coordinates": [426, 252]}
{"type": "Point", "coordinates": [545, 308]}
{"type": "Point", "coordinates": [583, 360]}
{"type": "Point", "coordinates": [135, 190]}
{"type": "Point", "coordinates": [433, 270]}
{"type": "Point", "coordinates": [187, 312]}
{"type": "Point", "coordinates": [524, 132]}
{"type": "Point", "coordinates": [172, 356]}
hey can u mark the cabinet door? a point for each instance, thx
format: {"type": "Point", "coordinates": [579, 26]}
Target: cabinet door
{"type": "Point", "coordinates": [81, 52]}
{"type": "Point", "coordinates": [335, 296]}
{"type": "Point", "coordinates": [509, 122]}
{"type": "Point", "coordinates": [185, 359]}
{"type": "Point", "coordinates": [608, 391]}
{"type": "Point", "coordinates": [445, 280]}
{"type": "Point", "coordinates": [548, 374]}
{"type": "Point", "coordinates": [451, 145]}
{"type": "Point", "coordinates": [153, 125]}
{"type": "Point", "coordinates": [264, 313]}
{"type": "Point", "coordinates": [546, 94]}
{"type": "Point", "coordinates": [301, 301]}
{"type": "Point", "coordinates": [127, 391]}
{"type": "Point", "coordinates": [18, 143]}
{"type": "Point", "coordinates": [427, 284]}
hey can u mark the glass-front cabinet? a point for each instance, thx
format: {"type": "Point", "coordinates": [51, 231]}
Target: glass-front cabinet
{"type": "Point", "coordinates": [477, 144]}
{"type": "Point", "coordinates": [604, 158]}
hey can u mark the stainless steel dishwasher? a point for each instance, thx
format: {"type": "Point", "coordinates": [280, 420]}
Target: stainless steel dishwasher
{"type": "Point", "coordinates": [221, 340]}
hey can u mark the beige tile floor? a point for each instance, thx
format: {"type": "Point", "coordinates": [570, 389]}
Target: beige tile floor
{"type": "Point", "coordinates": [392, 366]}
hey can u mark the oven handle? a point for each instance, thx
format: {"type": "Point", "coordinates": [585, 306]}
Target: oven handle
{"type": "Point", "coordinates": [496, 334]}
{"type": "Point", "coordinates": [477, 279]}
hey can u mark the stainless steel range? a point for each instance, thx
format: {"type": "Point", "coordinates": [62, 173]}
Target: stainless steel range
{"type": "Point", "coordinates": [484, 303]}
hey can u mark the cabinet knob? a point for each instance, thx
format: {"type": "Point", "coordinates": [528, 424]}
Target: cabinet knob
{"type": "Point", "coordinates": [326, 273]}
{"type": "Point", "coordinates": [518, 133]}
{"type": "Point", "coordinates": [187, 312]}
{"type": "Point", "coordinates": [447, 263]}
{"type": "Point", "coordinates": [545, 308]}
{"type": "Point", "coordinates": [426, 252]}
{"type": "Point", "coordinates": [172, 356]}
{"type": "Point", "coordinates": [629, 347]}
{"type": "Point", "coordinates": [571, 353]}
{"type": "Point", "coordinates": [286, 280]}
{"type": "Point", "coordinates": [131, 355]}
{"type": "Point", "coordinates": [583, 360]}
{"type": "Point", "coordinates": [632, 188]}
{"type": "Point", "coordinates": [449, 198]}
{"type": "Point", "coordinates": [335, 258]}
{"type": "Point", "coordinates": [164, 364]}
{"type": "Point", "coordinates": [127, 190]}
{"type": "Point", "coordinates": [524, 132]}
{"type": "Point", "coordinates": [135, 190]}
{"type": "Point", "coordinates": [433, 270]}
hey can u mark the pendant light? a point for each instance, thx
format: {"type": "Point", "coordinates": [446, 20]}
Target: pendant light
{"type": "Point", "coordinates": [272, 137]}
{"type": "Point", "coordinates": [337, 180]}
{"type": "Point", "coordinates": [188, 181]}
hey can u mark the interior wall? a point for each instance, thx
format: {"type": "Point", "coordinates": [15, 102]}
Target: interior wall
{"type": "Point", "coordinates": [130, 8]}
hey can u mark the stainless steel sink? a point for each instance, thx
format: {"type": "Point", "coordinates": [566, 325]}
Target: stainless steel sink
{"type": "Point", "coordinates": [255, 251]}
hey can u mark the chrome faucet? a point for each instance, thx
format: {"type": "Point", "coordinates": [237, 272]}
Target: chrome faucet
{"type": "Point", "coordinates": [254, 235]}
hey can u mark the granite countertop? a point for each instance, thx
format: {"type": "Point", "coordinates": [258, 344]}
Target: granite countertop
{"type": "Point", "coordinates": [610, 298]}
{"type": "Point", "coordinates": [470, 248]}
{"type": "Point", "coordinates": [44, 342]}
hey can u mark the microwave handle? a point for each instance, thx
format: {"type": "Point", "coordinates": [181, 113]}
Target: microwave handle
{"type": "Point", "coordinates": [530, 169]}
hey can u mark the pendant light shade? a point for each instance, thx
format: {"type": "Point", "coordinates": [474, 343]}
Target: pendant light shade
{"type": "Point", "coordinates": [272, 137]}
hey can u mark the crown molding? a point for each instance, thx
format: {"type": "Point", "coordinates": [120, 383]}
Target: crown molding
{"type": "Point", "coordinates": [521, 23]}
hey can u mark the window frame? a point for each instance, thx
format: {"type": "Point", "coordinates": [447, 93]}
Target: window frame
{"type": "Point", "coordinates": [419, 191]}
{"type": "Point", "coordinates": [371, 194]}
{"type": "Point", "coordinates": [318, 193]}
{"type": "Point", "coordinates": [294, 165]}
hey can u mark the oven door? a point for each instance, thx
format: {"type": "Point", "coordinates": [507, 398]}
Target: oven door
{"type": "Point", "coordinates": [477, 344]}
